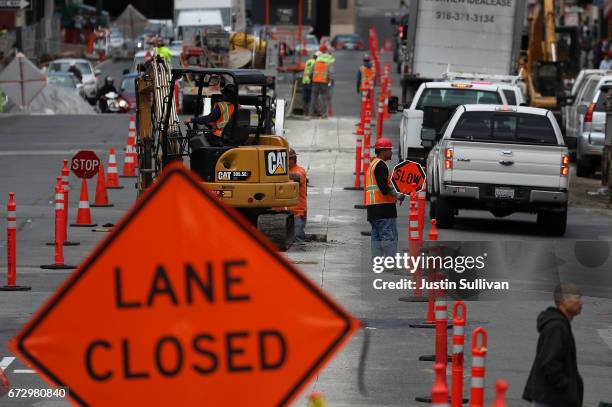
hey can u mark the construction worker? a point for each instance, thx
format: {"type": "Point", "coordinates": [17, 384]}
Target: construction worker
{"type": "Point", "coordinates": [322, 73]}
{"type": "Point", "coordinates": [220, 116]}
{"type": "Point", "coordinates": [307, 81]}
{"type": "Point", "coordinates": [163, 51]}
{"type": "Point", "coordinates": [366, 75]}
{"type": "Point", "coordinates": [380, 199]}
{"type": "Point", "coordinates": [298, 174]}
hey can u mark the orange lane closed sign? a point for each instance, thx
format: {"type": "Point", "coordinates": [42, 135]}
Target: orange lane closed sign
{"type": "Point", "coordinates": [184, 304]}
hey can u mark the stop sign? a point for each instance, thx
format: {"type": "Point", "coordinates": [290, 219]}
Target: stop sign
{"type": "Point", "coordinates": [85, 164]}
{"type": "Point", "coordinates": [408, 176]}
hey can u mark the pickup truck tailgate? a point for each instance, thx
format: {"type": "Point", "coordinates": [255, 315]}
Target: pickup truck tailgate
{"type": "Point", "coordinates": [506, 164]}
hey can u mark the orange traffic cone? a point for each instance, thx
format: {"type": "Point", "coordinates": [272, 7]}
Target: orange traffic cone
{"type": "Point", "coordinates": [112, 180]}
{"type": "Point", "coordinates": [83, 214]}
{"type": "Point", "coordinates": [128, 163]}
{"type": "Point", "coordinates": [101, 194]}
{"type": "Point", "coordinates": [500, 389]}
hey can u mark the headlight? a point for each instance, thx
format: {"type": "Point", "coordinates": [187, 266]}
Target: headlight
{"type": "Point", "coordinates": [123, 104]}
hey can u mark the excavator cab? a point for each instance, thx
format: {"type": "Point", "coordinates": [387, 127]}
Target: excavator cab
{"type": "Point", "coordinates": [249, 171]}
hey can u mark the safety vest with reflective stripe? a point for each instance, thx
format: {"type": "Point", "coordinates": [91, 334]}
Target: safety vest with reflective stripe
{"type": "Point", "coordinates": [367, 78]}
{"type": "Point", "coordinates": [227, 110]}
{"type": "Point", "coordinates": [320, 72]}
{"type": "Point", "coordinates": [373, 194]}
{"type": "Point", "coordinates": [308, 71]}
{"type": "Point", "coordinates": [301, 207]}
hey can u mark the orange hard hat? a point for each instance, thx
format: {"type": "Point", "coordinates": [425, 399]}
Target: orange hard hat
{"type": "Point", "coordinates": [383, 142]}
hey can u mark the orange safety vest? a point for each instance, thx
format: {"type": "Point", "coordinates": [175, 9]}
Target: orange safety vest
{"type": "Point", "coordinates": [367, 78]}
{"type": "Point", "coordinates": [300, 208]}
{"type": "Point", "coordinates": [227, 111]}
{"type": "Point", "coordinates": [373, 195]}
{"type": "Point", "coordinates": [320, 72]}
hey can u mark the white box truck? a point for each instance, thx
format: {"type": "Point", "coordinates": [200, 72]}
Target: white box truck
{"type": "Point", "coordinates": [482, 36]}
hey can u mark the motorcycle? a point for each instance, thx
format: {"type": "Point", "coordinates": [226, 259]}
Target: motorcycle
{"type": "Point", "coordinates": [112, 102]}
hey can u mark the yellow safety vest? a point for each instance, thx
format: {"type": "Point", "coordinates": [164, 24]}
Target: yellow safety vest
{"type": "Point", "coordinates": [227, 111]}
{"type": "Point", "coordinates": [308, 71]}
{"type": "Point", "coordinates": [373, 194]}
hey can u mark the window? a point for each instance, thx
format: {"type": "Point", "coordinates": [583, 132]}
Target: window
{"type": "Point", "coordinates": [510, 96]}
{"type": "Point", "coordinates": [454, 97]}
{"type": "Point", "coordinates": [505, 128]}
{"type": "Point", "coordinates": [342, 4]}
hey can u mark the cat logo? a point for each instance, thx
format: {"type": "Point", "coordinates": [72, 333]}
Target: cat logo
{"type": "Point", "coordinates": [276, 162]}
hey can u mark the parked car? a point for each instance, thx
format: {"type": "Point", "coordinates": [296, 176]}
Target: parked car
{"type": "Point", "coordinates": [502, 159]}
{"type": "Point", "coordinates": [66, 80]}
{"type": "Point", "coordinates": [90, 81]}
{"type": "Point", "coordinates": [348, 41]}
{"type": "Point", "coordinates": [127, 89]}
{"type": "Point", "coordinates": [312, 45]}
{"type": "Point", "coordinates": [586, 123]}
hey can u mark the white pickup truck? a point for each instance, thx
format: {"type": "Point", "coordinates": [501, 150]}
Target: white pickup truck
{"type": "Point", "coordinates": [502, 159]}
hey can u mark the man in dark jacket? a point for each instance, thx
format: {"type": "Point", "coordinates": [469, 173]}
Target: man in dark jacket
{"type": "Point", "coordinates": [554, 380]}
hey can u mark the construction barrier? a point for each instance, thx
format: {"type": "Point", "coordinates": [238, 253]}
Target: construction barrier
{"type": "Point", "coordinates": [478, 367]}
{"type": "Point", "coordinates": [11, 248]}
{"type": "Point", "coordinates": [101, 199]}
{"type": "Point", "coordinates": [422, 202]}
{"type": "Point", "coordinates": [459, 320]}
{"type": "Point", "coordinates": [83, 218]}
{"type": "Point", "coordinates": [112, 179]}
{"type": "Point", "coordinates": [60, 213]}
{"type": "Point", "coordinates": [66, 185]}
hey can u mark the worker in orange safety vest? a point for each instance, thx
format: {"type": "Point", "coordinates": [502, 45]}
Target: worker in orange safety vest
{"type": "Point", "coordinates": [366, 75]}
{"type": "Point", "coordinates": [322, 80]}
{"type": "Point", "coordinates": [298, 174]}
{"type": "Point", "coordinates": [220, 116]}
{"type": "Point", "coordinates": [380, 199]}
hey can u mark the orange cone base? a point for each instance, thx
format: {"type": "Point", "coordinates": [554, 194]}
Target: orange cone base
{"type": "Point", "coordinates": [15, 288]}
{"type": "Point", "coordinates": [101, 205]}
{"type": "Point", "coordinates": [57, 267]}
{"type": "Point", "coordinates": [427, 399]}
{"type": "Point", "coordinates": [432, 358]}
{"type": "Point", "coordinates": [66, 243]}
{"type": "Point", "coordinates": [83, 225]}
{"type": "Point", "coordinates": [118, 187]}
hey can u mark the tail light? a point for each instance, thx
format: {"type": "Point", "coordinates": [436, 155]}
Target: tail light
{"type": "Point", "coordinates": [565, 161]}
{"type": "Point", "coordinates": [401, 32]}
{"type": "Point", "coordinates": [448, 158]}
{"type": "Point", "coordinates": [588, 116]}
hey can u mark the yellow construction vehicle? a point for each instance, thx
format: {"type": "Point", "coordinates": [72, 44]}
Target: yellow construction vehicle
{"type": "Point", "coordinates": [541, 69]}
{"type": "Point", "coordinates": [249, 172]}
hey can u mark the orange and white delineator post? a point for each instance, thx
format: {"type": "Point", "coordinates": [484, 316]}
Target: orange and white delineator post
{"type": "Point", "coordinates": [422, 198]}
{"type": "Point", "coordinates": [459, 320]}
{"type": "Point", "coordinates": [59, 229]}
{"type": "Point", "coordinates": [366, 142]}
{"type": "Point", "coordinates": [11, 248]}
{"type": "Point", "coordinates": [440, 309]}
{"type": "Point", "coordinates": [479, 352]}
{"type": "Point", "coordinates": [439, 391]}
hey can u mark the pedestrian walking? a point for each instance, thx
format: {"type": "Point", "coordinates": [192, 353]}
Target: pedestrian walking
{"type": "Point", "coordinates": [298, 174]}
{"type": "Point", "coordinates": [380, 199]}
{"type": "Point", "coordinates": [554, 380]}
{"type": "Point", "coordinates": [322, 77]}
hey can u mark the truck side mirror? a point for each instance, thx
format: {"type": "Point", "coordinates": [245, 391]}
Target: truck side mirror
{"type": "Point", "coordinates": [428, 137]}
{"type": "Point", "coordinates": [393, 104]}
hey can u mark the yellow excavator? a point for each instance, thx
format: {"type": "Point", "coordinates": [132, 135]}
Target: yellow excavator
{"type": "Point", "coordinates": [541, 70]}
{"type": "Point", "coordinates": [249, 172]}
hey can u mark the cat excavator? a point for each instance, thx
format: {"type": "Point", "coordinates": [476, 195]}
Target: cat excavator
{"type": "Point", "coordinates": [249, 171]}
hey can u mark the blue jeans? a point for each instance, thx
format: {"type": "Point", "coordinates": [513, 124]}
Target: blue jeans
{"type": "Point", "coordinates": [299, 224]}
{"type": "Point", "coordinates": [384, 237]}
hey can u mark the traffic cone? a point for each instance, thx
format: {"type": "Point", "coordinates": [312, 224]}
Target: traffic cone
{"type": "Point", "coordinates": [500, 389]}
{"type": "Point", "coordinates": [101, 194]}
{"type": "Point", "coordinates": [128, 163]}
{"type": "Point", "coordinates": [83, 214]}
{"type": "Point", "coordinates": [112, 180]}
{"type": "Point", "coordinates": [433, 232]}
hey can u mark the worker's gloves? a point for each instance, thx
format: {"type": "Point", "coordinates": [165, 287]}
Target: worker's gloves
{"type": "Point", "coordinates": [401, 197]}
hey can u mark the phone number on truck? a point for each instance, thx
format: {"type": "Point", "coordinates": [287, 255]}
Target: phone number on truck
{"type": "Point", "coordinates": [471, 17]}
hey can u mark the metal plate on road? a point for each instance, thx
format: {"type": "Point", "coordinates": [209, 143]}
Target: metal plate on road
{"type": "Point", "coordinates": [504, 193]}
{"type": "Point", "coordinates": [21, 80]}
{"type": "Point", "coordinates": [85, 164]}
{"type": "Point", "coordinates": [203, 306]}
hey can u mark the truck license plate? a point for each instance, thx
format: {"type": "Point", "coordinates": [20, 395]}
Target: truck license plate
{"type": "Point", "coordinates": [504, 193]}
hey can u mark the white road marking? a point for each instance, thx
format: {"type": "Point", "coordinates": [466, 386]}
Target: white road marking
{"type": "Point", "coordinates": [24, 371]}
{"type": "Point", "coordinates": [606, 336]}
{"type": "Point", "coordinates": [5, 362]}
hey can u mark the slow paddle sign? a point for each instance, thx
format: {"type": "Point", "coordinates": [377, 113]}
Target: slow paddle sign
{"type": "Point", "coordinates": [408, 176]}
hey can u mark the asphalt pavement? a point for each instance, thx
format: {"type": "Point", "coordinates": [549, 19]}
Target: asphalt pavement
{"type": "Point", "coordinates": [33, 147]}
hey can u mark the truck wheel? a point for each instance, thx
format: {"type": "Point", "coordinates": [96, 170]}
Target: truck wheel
{"type": "Point", "coordinates": [445, 213]}
{"type": "Point", "coordinates": [554, 223]}
{"type": "Point", "coordinates": [584, 168]}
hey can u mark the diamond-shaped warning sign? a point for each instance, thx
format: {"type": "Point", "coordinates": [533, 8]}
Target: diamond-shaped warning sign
{"type": "Point", "coordinates": [407, 177]}
{"type": "Point", "coordinates": [184, 304]}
